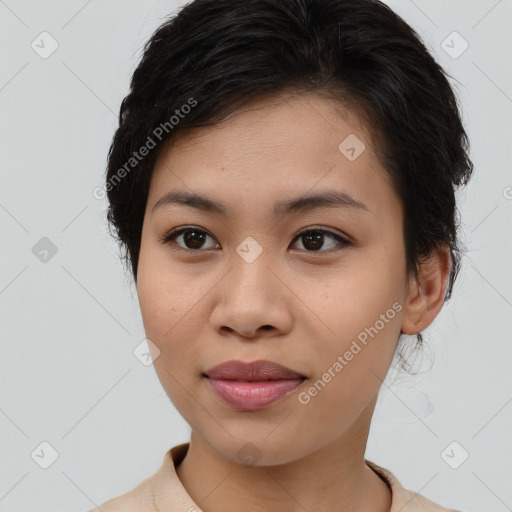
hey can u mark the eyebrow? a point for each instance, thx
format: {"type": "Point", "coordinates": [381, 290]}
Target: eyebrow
{"type": "Point", "coordinates": [322, 199]}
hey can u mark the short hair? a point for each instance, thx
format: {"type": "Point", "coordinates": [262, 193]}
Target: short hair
{"type": "Point", "coordinates": [214, 56]}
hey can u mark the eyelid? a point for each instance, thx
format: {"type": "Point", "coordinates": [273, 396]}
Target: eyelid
{"type": "Point", "coordinates": [175, 232]}
{"type": "Point", "coordinates": [325, 229]}
{"type": "Point", "coordinates": [344, 240]}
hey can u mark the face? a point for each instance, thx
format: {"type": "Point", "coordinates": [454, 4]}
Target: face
{"type": "Point", "coordinates": [318, 289]}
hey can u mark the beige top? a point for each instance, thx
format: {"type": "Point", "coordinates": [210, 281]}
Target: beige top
{"type": "Point", "coordinates": [164, 492]}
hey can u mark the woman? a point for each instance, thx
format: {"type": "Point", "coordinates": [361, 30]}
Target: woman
{"type": "Point", "coordinates": [282, 184]}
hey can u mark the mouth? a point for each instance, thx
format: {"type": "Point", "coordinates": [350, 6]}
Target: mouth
{"type": "Point", "coordinates": [244, 395]}
{"type": "Point", "coordinates": [251, 380]}
{"type": "Point", "coordinates": [260, 370]}
{"type": "Point", "coordinates": [252, 386]}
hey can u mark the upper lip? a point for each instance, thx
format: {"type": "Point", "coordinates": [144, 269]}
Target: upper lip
{"type": "Point", "coordinates": [255, 370]}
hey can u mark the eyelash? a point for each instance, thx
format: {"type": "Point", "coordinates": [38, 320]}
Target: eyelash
{"type": "Point", "coordinates": [169, 237]}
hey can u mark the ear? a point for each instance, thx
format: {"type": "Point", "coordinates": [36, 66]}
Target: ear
{"type": "Point", "coordinates": [426, 297]}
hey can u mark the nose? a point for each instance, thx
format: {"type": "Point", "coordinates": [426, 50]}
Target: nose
{"type": "Point", "coordinates": [252, 301]}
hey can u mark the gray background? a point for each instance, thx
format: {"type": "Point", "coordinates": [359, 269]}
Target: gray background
{"type": "Point", "coordinates": [69, 325]}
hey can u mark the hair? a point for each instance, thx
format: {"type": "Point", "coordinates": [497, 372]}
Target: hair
{"type": "Point", "coordinates": [214, 56]}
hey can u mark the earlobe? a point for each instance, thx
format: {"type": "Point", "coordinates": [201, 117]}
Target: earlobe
{"type": "Point", "coordinates": [426, 296]}
{"type": "Point", "coordinates": [414, 309]}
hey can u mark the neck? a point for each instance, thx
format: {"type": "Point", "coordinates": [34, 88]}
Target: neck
{"type": "Point", "coordinates": [334, 478]}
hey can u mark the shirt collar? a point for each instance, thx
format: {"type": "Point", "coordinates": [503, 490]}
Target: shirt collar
{"type": "Point", "coordinates": [169, 493]}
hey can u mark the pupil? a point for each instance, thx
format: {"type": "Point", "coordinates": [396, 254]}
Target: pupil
{"type": "Point", "coordinates": [189, 239]}
{"type": "Point", "coordinates": [195, 239]}
{"type": "Point", "coordinates": [316, 238]}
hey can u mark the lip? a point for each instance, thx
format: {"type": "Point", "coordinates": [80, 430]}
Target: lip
{"type": "Point", "coordinates": [254, 370]}
{"type": "Point", "coordinates": [254, 385]}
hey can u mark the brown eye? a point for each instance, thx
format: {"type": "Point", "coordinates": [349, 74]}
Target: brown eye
{"type": "Point", "coordinates": [193, 238]}
{"type": "Point", "coordinates": [314, 239]}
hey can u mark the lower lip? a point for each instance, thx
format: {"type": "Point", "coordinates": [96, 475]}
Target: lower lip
{"type": "Point", "coordinates": [250, 396]}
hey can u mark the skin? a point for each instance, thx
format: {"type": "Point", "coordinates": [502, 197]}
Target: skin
{"type": "Point", "coordinates": [293, 305]}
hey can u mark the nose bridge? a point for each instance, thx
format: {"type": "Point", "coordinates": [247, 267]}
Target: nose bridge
{"type": "Point", "coordinates": [250, 274]}
{"type": "Point", "coordinates": [251, 296]}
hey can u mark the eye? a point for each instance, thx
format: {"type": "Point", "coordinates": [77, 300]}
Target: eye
{"type": "Point", "coordinates": [314, 239]}
{"type": "Point", "coordinates": [193, 238]}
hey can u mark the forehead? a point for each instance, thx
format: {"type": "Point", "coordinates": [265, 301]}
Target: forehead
{"type": "Point", "coordinates": [276, 148]}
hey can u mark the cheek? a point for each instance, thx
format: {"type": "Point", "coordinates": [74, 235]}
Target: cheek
{"type": "Point", "coordinates": [361, 315]}
{"type": "Point", "coordinates": [172, 314]}
{"type": "Point", "coordinates": [352, 365]}
{"type": "Point", "coordinates": [356, 299]}
{"type": "Point", "coordinates": [165, 293]}
{"type": "Point", "coordinates": [172, 323]}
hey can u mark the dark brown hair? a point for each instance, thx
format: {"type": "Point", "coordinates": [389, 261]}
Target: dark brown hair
{"type": "Point", "coordinates": [214, 56]}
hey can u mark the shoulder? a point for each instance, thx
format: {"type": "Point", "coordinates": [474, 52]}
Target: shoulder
{"type": "Point", "coordinates": [139, 499]}
{"type": "Point", "coordinates": [161, 491]}
{"type": "Point", "coordinates": [416, 502]}
{"type": "Point", "coordinates": [405, 500]}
